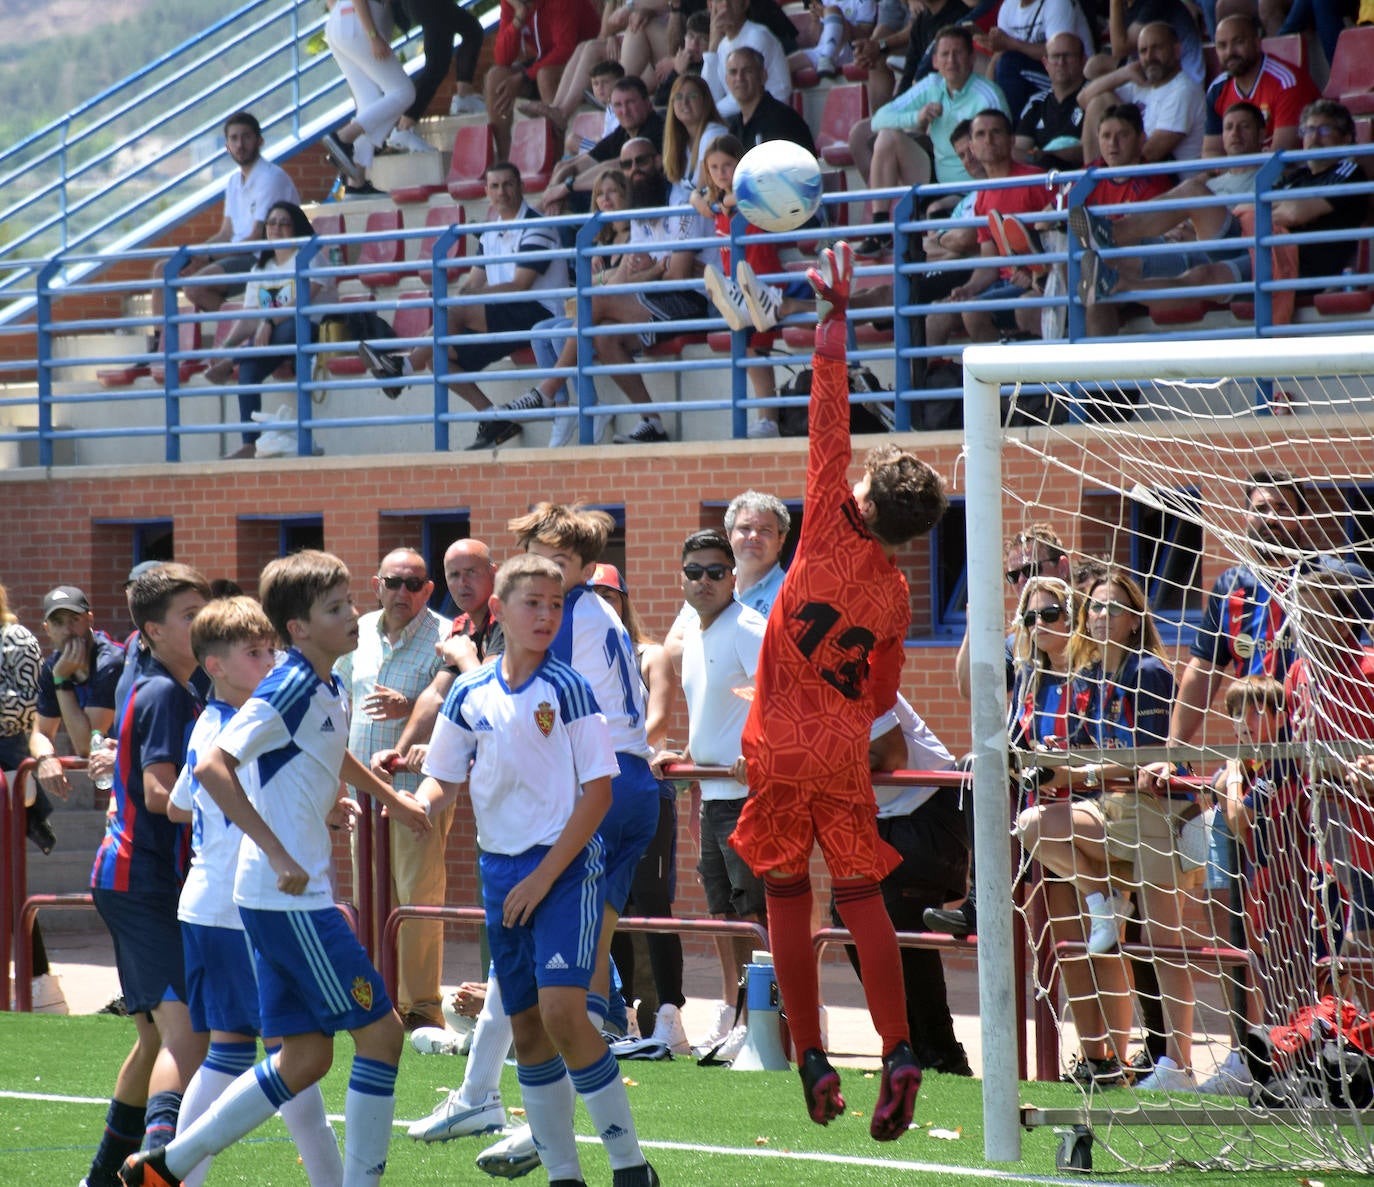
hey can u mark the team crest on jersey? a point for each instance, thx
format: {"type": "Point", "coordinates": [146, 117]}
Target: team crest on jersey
{"type": "Point", "coordinates": [362, 992]}
{"type": "Point", "coordinates": [543, 718]}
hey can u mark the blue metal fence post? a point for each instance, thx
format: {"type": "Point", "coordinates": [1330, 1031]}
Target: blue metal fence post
{"type": "Point", "coordinates": [739, 344]}
{"type": "Point", "coordinates": [586, 355]}
{"type": "Point", "coordinates": [902, 392]}
{"type": "Point", "coordinates": [44, 360]}
{"type": "Point", "coordinates": [171, 349]}
{"type": "Point", "coordinates": [439, 360]}
{"type": "Point", "coordinates": [1263, 270]}
{"type": "Point", "coordinates": [305, 362]}
{"type": "Point", "coordinates": [1077, 327]}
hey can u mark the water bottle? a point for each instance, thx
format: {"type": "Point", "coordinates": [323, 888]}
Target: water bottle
{"type": "Point", "coordinates": [98, 743]}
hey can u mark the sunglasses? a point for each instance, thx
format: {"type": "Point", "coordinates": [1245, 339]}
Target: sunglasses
{"type": "Point", "coordinates": [1045, 614]}
{"type": "Point", "coordinates": [413, 584]}
{"type": "Point", "coordinates": [714, 572]}
{"type": "Point", "coordinates": [1110, 609]}
{"type": "Point", "coordinates": [1030, 569]}
{"type": "Point", "coordinates": [644, 158]}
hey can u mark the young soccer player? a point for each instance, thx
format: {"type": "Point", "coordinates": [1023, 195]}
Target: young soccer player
{"type": "Point", "coordinates": [314, 978]}
{"type": "Point", "coordinates": [830, 664]}
{"type": "Point", "coordinates": [138, 869]}
{"type": "Point", "coordinates": [234, 642]}
{"type": "Point", "coordinates": [527, 741]}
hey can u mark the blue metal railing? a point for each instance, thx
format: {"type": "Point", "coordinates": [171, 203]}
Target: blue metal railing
{"type": "Point", "coordinates": [58, 393]}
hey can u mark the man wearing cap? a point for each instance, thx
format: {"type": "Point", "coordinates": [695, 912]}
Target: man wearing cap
{"type": "Point", "coordinates": [395, 661]}
{"type": "Point", "coordinates": [76, 686]}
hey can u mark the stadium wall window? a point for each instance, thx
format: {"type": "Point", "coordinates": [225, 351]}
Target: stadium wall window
{"type": "Point", "coordinates": [117, 545]}
{"type": "Point", "coordinates": [949, 577]}
{"type": "Point", "coordinates": [263, 538]}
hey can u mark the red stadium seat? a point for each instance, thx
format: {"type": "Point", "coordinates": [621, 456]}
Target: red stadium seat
{"type": "Point", "coordinates": [1291, 47]}
{"type": "Point", "coordinates": [587, 125]}
{"type": "Point", "coordinates": [1351, 81]}
{"type": "Point", "coordinates": [844, 107]}
{"type": "Point", "coordinates": [1211, 63]}
{"type": "Point", "coordinates": [381, 252]}
{"type": "Point", "coordinates": [441, 218]}
{"type": "Point", "coordinates": [473, 151]}
{"type": "Point", "coordinates": [414, 316]}
{"type": "Point", "coordinates": [188, 338]}
{"type": "Point", "coordinates": [534, 150]}
{"type": "Point", "coordinates": [1348, 302]}
{"type": "Point", "coordinates": [804, 77]}
{"type": "Point", "coordinates": [855, 72]}
{"type": "Point", "coordinates": [1174, 313]}
{"type": "Point", "coordinates": [332, 224]}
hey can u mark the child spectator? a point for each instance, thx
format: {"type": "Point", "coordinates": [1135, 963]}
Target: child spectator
{"type": "Point", "coordinates": [687, 60]}
{"type": "Point", "coordinates": [525, 738]}
{"type": "Point", "coordinates": [833, 655]}
{"type": "Point", "coordinates": [234, 643]}
{"type": "Point", "coordinates": [314, 978]}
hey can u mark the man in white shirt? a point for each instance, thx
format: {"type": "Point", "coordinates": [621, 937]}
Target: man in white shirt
{"type": "Point", "coordinates": [1171, 102]}
{"type": "Point", "coordinates": [729, 31]}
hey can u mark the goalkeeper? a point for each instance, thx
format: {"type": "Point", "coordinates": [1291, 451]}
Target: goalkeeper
{"type": "Point", "coordinates": [829, 665]}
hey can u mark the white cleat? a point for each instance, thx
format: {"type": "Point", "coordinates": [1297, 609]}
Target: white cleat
{"type": "Point", "coordinates": [511, 1157]}
{"type": "Point", "coordinates": [456, 1119]}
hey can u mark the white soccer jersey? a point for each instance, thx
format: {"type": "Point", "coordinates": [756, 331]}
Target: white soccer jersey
{"type": "Point", "coordinates": [715, 662]}
{"type": "Point", "coordinates": [924, 752]}
{"type": "Point", "coordinates": [594, 642]}
{"type": "Point", "coordinates": [530, 750]}
{"type": "Point", "coordinates": [207, 896]}
{"type": "Point", "coordinates": [294, 729]}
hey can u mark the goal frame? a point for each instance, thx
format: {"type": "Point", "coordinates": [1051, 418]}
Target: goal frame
{"type": "Point", "coordinates": [987, 369]}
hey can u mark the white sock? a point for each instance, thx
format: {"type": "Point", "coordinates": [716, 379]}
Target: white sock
{"type": "Point", "coordinates": [314, 1137]}
{"type": "Point", "coordinates": [490, 1045]}
{"type": "Point", "coordinates": [242, 1107]}
{"type": "Point", "coordinates": [549, 1100]}
{"type": "Point", "coordinates": [369, 1108]}
{"type": "Point", "coordinates": [832, 30]}
{"type": "Point", "coordinates": [224, 1063]}
{"type": "Point", "coordinates": [603, 1092]}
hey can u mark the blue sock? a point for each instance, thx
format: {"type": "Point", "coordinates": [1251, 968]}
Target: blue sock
{"type": "Point", "coordinates": [160, 1119]}
{"type": "Point", "coordinates": [123, 1132]}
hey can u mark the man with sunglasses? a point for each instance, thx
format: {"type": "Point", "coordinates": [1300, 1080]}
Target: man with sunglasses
{"type": "Point", "coordinates": [395, 661]}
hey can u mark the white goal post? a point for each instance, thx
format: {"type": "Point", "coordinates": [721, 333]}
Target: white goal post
{"type": "Point", "coordinates": [1220, 409]}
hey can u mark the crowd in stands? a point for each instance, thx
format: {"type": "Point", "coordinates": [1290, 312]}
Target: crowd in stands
{"type": "Point", "coordinates": [958, 97]}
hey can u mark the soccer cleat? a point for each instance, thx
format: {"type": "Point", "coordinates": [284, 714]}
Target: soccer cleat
{"type": "Point", "coordinates": [439, 1040]}
{"type": "Point", "coordinates": [342, 156]}
{"type": "Point", "coordinates": [821, 1087]}
{"type": "Point", "coordinates": [532, 401]}
{"type": "Point", "coordinates": [644, 433]}
{"type": "Point", "coordinates": [635, 1176]}
{"type": "Point", "coordinates": [408, 140]}
{"type": "Point", "coordinates": [1090, 230]}
{"type": "Point", "coordinates": [763, 301]}
{"type": "Point", "coordinates": [897, 1095]}
{"type": "Point", "coordinates": [148, 1168]}
{"type": "Point", "coordinates": [668, 1029]}
{"type": "Point", "coordinates": [726, 296]}
{"type": "Point", "coordinates": [511, 1157]}
{"type": "Point", "coordinates": [456, 1119]}
{"type": "Point", "coordinates": [491, 433]}
{"type": "Point", "coordinates": [1167, 1077]}
{"type": "Point", "coordinates": [382, 364]}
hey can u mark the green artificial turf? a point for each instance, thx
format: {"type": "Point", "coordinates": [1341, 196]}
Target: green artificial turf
{"type": "Point", "coordinates": [719, 1127]}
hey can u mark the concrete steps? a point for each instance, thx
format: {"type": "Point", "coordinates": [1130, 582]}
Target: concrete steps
{"type": "Point", "coordinates": [67, 869]}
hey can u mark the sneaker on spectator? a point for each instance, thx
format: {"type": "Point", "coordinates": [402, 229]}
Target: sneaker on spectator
{"type": "Point", "coordinates": [644, 433]}
{"type": "Point", "coordinates": [511, 1157]}
{"type": "Point", "coordinates": [1090, 230]}
{"type": "Point", "coordinates": [874, 245]}
{"type": "Point", "coordinates": [1023, 240]}
{"type": "Point", "coordinates": [532, 401]}
{"type": "Point", "coordinates": [1098, 280]}
{"type": "Point", "coordinates": [408, 140]}
{"type": "Point", "coordinates": [364, 190]}
{"type": "Point", "coordinates": [668, 1029]}
{"type": "Point", "coordinates": [491, 433]}
{"type": "Point", "coordinates": [825, 66]}
{"type": "Point", "coordinates": [1095, 1073]}
{"type": "Point", "coordinates": [1141, 1065]}
{"type": "Point", "coordinates": [342, 156]}
{"type": "Point", "coordinates": [1107, 912]}
{"type": "Point", "coordinates": [382, 364]}
{"type": "Point", "coordinates": [763, 430]}
{"type": "Point", "coordinates": [763, 301]}
{"type": "Point", "coordinates": [726, 296]}
{"type": "Point", "coordinates": [467, 105]}
{"type": "Point", "coordinates": [457, 1119]}
{"type": "Point", "coordinates": [1167, 1077]}
{"type": "Point", "coordinates": [1232, 1078]}
{"type": "Point", "coordinates": [732, 1044]}
{"type": "Point", "coordinates": [564, 431]}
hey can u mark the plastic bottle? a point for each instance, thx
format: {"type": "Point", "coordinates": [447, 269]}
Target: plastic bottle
{"type": "Point", "coordinates": [98, 743]}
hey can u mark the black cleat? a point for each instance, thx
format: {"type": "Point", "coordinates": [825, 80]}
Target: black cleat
{"type": "Point", "coordinates": [820, 1086]}
{"type": "Point", "coordinates": [897, 1096]}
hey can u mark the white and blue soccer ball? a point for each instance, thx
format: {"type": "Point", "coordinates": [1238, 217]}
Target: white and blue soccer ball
{"type": "Point", "coordinates": [778, 185]}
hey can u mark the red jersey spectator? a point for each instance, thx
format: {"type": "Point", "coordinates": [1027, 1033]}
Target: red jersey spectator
{"type": "Point", "coordinates": [1278, 88]}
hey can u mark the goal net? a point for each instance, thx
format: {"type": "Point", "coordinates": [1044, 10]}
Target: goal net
{"type": "Point", "coordinates": [1190, 738]}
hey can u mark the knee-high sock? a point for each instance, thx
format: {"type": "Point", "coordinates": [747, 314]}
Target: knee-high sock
{"type": "Point", "coordinates": [832, 31]}
{"type": "Point", "coordinates": [369, 1108]}
{"type": "Point", "coordinates": [224, 1063]}
{"type": "Point", "coordinates": [860, 905]}
{"type": "Point", "coordinates": [603, 1092]}
{"type": "Point", "coordinates": [315, 1139]}
{"type": "Point", "coordinates": [123, 1133]}
{"type": "Point", "coordinates": [490, 1045]}
{"type": "Point", "coordinates": [247, 1103]}
{"type": "Point", "coordinates": [794, 960]}
{"type": "Point", "coordinates": [549, 1100]}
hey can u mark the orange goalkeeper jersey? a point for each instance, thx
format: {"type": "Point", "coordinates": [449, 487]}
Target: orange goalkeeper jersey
{"type": "Point", "coordinates": [832, 655]}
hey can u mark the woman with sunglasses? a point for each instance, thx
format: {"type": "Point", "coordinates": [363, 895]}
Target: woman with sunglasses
{"type": "Point", "coordinates": [269, 312]}
{"type": "Point", "coordinates": [1042, 719]}
{"type": "Point", "coordinates": [693, 122]}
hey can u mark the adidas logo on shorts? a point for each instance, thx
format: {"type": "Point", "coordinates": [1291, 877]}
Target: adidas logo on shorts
{"type": "Point", "coordinates": [556, 962]}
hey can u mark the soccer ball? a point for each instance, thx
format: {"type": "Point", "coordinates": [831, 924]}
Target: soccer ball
{"type": "Point", "coordinates": [778, 185]}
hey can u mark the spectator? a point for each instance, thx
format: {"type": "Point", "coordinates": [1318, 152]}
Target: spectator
{"type": "Point", "coordinates": [1279, 89]}
{"type": "Point", "coordinates": [1047, 134]}
{"type": "Point", "coordinates": [843, 22]}
{"type": "Point", "coordinates": [382, 679]}
{"type": "Point", "coordinates": [1019, 40]}
{"type": "Point", "coordinates": [248, 193]}
{"type": "Point", "coordinates": [652, 257]}
{"type": "Point", "coordinates": [1170, 101]}
{"type": "Point", "coordinates": [687, 60]}
{"type": "Point", "coordinates": [1325, 124]}
{"type": "Point", "coordinates": [760, 117]}
{"type": "Point", "coordinates": [635, 119]}
{"type": "Point", "coordinates": [909, 29]}
{"type": "Point", "coordinates": [1126, 18]}
{"type": "Point", "coordinates": [730, 29]}
{"type": "Point", "coordinates": [505, 272]}
{"type": "Point", "coordinates": [933, 108]}
{"type": "Point", "coordinates": [269, 319]}
{"type": "Point", "coordinates": [991, 136]}
{"type": "Point", "coordinates": [534, 41]}
{"type": "Point", "coordinates": [441, 21]}
{"type": "Point", "coordinates": [359, 36]}
{"type": "Point", "coordinates": [592, 59]}
{"type": "Point", "coordinates": [692, 124]}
